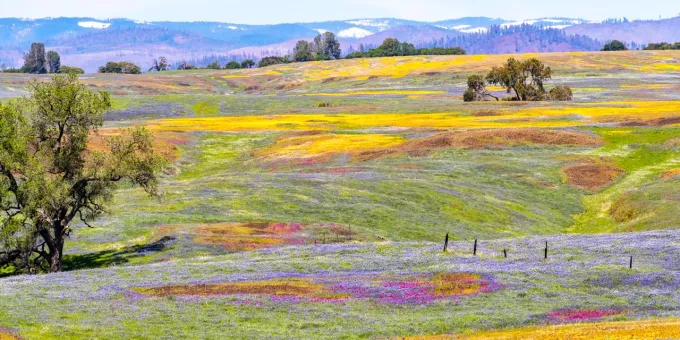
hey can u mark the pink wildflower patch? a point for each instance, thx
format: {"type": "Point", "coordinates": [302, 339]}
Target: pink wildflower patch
{"type": "Point", "coordinates": [583, 314]}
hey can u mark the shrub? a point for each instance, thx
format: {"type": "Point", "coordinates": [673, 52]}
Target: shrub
{"type": "Point", "coordinates": [71, 70]}
{"type": "Point", "coordinates": [232, 65]}
{"type": "Point", "coordinates": [469, 95]}
{"type": "Point", "coordinates": [273, 60]}
{"type": "Point", "coordinates": [213, 66]}
{"type": "Point", "coordinates": [561, 93]}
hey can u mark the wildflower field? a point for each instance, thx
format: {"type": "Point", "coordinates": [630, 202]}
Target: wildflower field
{"type": "Point", "coordinates": [311, 200]}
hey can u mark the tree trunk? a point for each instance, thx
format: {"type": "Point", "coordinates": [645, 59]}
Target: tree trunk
{"type": "Point", "coordinates": [56, 248]}
{"type": "Point", "coordinates": [56, 257]}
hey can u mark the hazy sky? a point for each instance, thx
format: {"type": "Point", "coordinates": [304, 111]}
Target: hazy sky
{"type": "Point", "coordinates": [277, 11]}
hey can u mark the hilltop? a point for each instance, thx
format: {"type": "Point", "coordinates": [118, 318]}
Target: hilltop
{"type": "Point", "coordinates": [89, 42]}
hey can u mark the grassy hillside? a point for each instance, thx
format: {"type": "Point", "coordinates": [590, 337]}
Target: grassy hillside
{"type": "Point", "coordinates": [291, 181]}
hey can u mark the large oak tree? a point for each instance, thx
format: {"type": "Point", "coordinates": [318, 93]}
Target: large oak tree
{"type": "Point", "coordinates": [49, 180]}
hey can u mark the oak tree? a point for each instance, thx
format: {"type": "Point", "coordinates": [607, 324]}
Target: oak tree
{"type": "Point", "coordinates": [49, 180]}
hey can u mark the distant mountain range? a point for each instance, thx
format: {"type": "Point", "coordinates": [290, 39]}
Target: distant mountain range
{"type": "Point", "coordinates": [89, 43]}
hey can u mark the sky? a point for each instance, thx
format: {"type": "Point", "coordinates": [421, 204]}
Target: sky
{"type": "Point", "coordinates": [277, 11]}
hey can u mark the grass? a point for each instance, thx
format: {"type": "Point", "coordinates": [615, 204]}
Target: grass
{"type": "Point", "coordinates": [584, 273]}
{"type": "Point", "coordinates": [365, 188]}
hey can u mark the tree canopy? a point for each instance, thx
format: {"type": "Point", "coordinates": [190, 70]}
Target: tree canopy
{"type": "Point", "coordinates": [248, 63]}
{"type": "Point", "coordinates": [69, 69]}
{"type": "Point", "coordinates": [160, 64]}
{"type": "Point", "coordinates": [303, 51]}
{"type": "Point", "coordinates": [35, 60]}
{"type": "Point", "coordinates": [233, 65]}
{"type": "Point", "coordinates": [327, 47]}
{"type": "Point", "coordinates": [525, 80]}
{"type": "Point", "coordinates": [120, 67]}
{"type": "Point", "coordinates": [214, 66]}
{"type": "Point", "coordinates": [273, 60]}
{"type": "Point", "coordinates": [53, 61]}
{"type": "Point", "coordinates": [392, 47]}
{"type": "Point", "coordinates": [48, 177]}
{"type": "Point", "coordinates": [614, 45]}
{"type": "Point", "coordinates": [662, 46]}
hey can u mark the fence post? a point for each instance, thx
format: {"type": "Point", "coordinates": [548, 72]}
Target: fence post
{"type": "Point", "coordinates": [546, 250]}
{"type": "Point", "coordinates": [474, 249]}
{"type": "Point", "coordinates": [446, 242]}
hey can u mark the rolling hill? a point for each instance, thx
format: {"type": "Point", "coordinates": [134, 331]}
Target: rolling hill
{"type": "Point", "coordinates": [90, 42]}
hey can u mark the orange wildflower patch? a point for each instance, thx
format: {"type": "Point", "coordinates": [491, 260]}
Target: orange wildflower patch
{"type": "Point", "coordinates": [165, 142]}
{"type": "Point", "coordinates": [292, 287]}
{"type": "Point", "coordinates": [670, 174]}
{"type": "Point", "coordinates": [7, 335]}
{"type": "Point", "coordinates": [591, 176]}
{"type": "Point", "coordinates": [456, 284]}
{"type": "Point", "coordinates": [255, 235]}
{"type": "Point", "coordinates": [393, 289]}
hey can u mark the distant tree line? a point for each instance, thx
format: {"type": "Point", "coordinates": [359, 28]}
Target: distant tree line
{"type": "Point", "coordinates": [324, 47]}
{"type": "Point", "coordinates": [524, 80]}
{"type": "Point", "coordinates": [392, 47]}
{"type": "Point", "coordinates": [515, 39]}
{"type": "Point", "coordinates": [208, 61]}
{"type": "Point", "coordinates": [662, 46]}
{"type": "Point", "coordinates": [623, 20]}
{"type": "Point", "coordinates": [37, 61]}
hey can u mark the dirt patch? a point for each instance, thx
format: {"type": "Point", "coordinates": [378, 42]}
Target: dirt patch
{"type": "Point", "coordinates": [505, 137]}
{"type": "Point", "coordinates": [369, 155]}
{"type": "Point", "coordinates": [288, 287]}
{"type": "Point", "coordinates": [664, 121]}
{"type": "Point", "coordinates": [420, 147]}
{"type": "Point", "coordinates": [591, 176]}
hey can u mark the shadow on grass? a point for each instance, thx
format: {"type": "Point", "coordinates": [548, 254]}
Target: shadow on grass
{"type": "Point", "coordinates": [113, 258]}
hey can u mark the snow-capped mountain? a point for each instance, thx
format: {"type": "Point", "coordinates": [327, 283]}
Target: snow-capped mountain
{"type": "Point", "coordinates": [88, 42]}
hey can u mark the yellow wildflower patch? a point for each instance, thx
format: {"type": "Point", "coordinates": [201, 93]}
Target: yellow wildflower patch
{"type": "Point", "coordinates": [374, 93]}
{"type": "Point", "coordinates": [511, 117]}
{"type": "Point", "coordinates": [315, 145]}
{"type": "Point", "coordinates": [650, 329]}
